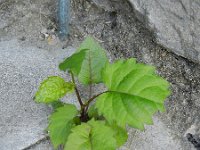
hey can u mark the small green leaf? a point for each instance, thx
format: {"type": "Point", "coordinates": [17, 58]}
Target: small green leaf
{"type": "Point", "coordinates": [79, 139]}
{"type": "Point", "coordinates": [93, 63]}
{"type": "Point", "coordinates": [52, 89]}
{"type": "Point", "coordinates": [136, 93]}
{"type": "Point", "coordinates": [60, 124]}
{"type": "Point", "coordinates": [57, 104]}
{"type": "Point", "coordinates": [74, 62]}
{"type": "Point", "coordinates": [87, 62]}
{"type": "Point", "coordinates": [92, 112]}
{"type": "Point", "coordinates": [94, 135]}
{"type": "Point", "coordinates": [77, 120]}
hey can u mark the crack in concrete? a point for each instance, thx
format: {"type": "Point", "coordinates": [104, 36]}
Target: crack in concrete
{"type": "Point", "coordinates": [36, 143]}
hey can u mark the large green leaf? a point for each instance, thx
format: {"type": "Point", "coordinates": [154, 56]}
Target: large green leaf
{"type": "Point", "coordinates": [87, 62]}
{"type": "Point", "coordinates": [94, 135]}
{"type": "Point", "coordinates": [52, 89]}
{"type": "Point", "coordinates": [136, 93]}
{"type": "Point", "coordinates": [121, 135]}
{"type": "Point", "coordinates": [60, 124]}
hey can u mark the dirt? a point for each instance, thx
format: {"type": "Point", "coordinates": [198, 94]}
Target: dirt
{"type": "Point", "coordinates": [114, 25]}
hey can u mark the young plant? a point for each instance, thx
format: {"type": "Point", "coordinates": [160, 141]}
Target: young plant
{"type": "Point", "coordinates": [134, 93]}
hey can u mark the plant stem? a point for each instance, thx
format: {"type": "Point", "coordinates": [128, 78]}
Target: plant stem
{"type": "Point", "coordinates": [91, 99]}
{"type": "Point", "coordinates": [77, 92]}
{"type": "Point", "coordinates": [90, 91]}
{"type": "Point", "coordinates": [84, 107]}
{"type": "Point", "coordinates": [90, 95]}
{"type": "Point", "coordinates": [84, 117]}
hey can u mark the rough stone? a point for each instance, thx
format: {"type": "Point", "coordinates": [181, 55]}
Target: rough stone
{"type": "Point", "coordinates": [176, 24]}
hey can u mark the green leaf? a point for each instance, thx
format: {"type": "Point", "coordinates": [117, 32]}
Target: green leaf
{"type": "Point", "coordinates": [87, 62]}
{"type": "Point", "coordinates": [57, 104]}
{"type": "Point", "coordinates": [77, 120]}
{"type": "Point", "coordinates": [120, 134]}
{"type": "Point", "coordinates": [52, 89]}
{"type": "Point", "coordinates": [60, 124]}
{"type": "Point", "coordinates": [94, 135]}
{"type": "Point", "coordinates": [93, 63]}
{"type": "Point", "coordinates": [92, 112]}
{"type": "Point", "coordinates": [79, 139]}
{"type": "Point", "coordinates": [74, 62]}
{"type": "Point", "coordinates": [136, 93]}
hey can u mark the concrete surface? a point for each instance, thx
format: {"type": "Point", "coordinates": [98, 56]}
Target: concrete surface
{"type": "Point", "coordinates": [22, 121]}
{"type": "Point", "coordinates": [176, 24]}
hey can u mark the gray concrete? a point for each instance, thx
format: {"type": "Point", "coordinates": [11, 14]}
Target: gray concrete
{"type": "Point", "coordinates": [22, 121]}
{"type": "Point", "coordinates": [176, 24]}
{"type": "Point", "coordinates": [155, 137]}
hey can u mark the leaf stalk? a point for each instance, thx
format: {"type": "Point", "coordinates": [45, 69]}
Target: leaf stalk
{"type": "Point", "coordinates": [91, 99]}
{"type": "Point", "coordinates": [76, 90]}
